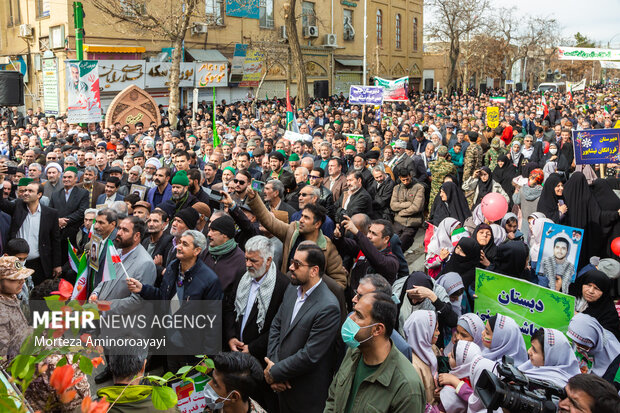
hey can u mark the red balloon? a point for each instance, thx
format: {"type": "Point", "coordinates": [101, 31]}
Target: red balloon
{"type": "Point", "coordinates": [494, 206]}
{"type": "Point", "coordinates": [615, 246]}
{"type": "Point", "coordinates": [546, 147]}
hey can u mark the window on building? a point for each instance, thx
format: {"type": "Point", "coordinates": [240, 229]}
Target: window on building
{"type": "Point", "coordinates": [214, 11]}
{"type": "Point", "coordinates": [14, 13]}
{"type": "Point", "coordinates": [266, 14]}
{"type": "Point", "coordinates": [397, 31]}
{"type": "Point", "coordinates": [43, 8]}
{"type": "Point", "coordinates": [415, 34]}
{"type": "Point", "coordinates": [347, 22]}
{"type": "Point", "coordinates": [379, 27]}
{"type": "Point", "coordinates": [133, 8]}
{"type": "Point", "coordinates": [308, 17]}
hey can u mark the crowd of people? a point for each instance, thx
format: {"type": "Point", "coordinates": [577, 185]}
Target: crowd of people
{"type": "Point", "coordinates": [308, 240]}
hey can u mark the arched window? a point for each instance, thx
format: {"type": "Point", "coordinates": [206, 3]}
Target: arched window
{"type": "Point", "coordinates": [379, 27]}
{"type": "Point", "coordinates": [415, 34]}
{"type": "Point", "coordinates": [398, 31]}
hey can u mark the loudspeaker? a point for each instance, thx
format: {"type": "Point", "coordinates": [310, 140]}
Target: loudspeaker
{"type": "Point", "coordinates": [321, 89]}
{"type": "Point", "coordinates": [11, 88]}
{"type": "Point", "coordinates": [483, 88]}
{"type": "Point", "coordinates": [519, 87]}
{"type": "Point", "coordinates": [428, 85]}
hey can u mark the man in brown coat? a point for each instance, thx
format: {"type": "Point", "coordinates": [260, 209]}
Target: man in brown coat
{"type": "Point", "coordinates": [408, 204]}
{"type": "Point", "coordinates": [306, 229]}
{"type": "Point", "coordinates": [336, 181]}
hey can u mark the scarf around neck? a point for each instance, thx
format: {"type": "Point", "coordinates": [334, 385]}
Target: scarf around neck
{"type": "Point", "coordinates": [223, 249]}
{"type": "Point", "coordinates": [263, 297]}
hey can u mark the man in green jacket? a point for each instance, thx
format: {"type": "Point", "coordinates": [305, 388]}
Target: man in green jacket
{"type": "Point", "coordinates": [374, 375]}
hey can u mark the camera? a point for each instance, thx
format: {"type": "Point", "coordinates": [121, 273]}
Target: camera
{"type": "Point", "coordinates": [516, 392]}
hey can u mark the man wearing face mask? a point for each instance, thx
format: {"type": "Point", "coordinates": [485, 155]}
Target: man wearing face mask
{"type": "Point", "coordinates": [235, 377]}
{"type": "Point", "coordinates": [374, 360]}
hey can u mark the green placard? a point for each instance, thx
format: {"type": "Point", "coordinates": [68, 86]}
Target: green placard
{"type": "Point", "coordinates": [530, 305]}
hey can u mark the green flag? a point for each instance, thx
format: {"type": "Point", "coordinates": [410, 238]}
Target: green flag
{"type": "Point", "coordinates": [216, 138]}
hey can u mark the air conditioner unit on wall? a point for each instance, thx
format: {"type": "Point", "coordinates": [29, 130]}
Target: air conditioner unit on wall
{"type": "Point", "coordinates": [331, 40]}
{"type": "Point", "coordinates": [311, 31]}
{"type": "Point", "coordinates": [25, 30]}
{"type": "Point", "coordinates": [199, 28]}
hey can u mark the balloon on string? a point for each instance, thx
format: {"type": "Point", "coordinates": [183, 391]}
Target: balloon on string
{"type": "Point", "coordinates": [545, 147]}
{"type": "Point", "coordinates": [615, 246]}
{"type": "Point", "coordinates": [494, 206]}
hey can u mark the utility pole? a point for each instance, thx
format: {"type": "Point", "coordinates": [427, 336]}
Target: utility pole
{"type": "Point", "coordinates": [78, 21]}
{"type": "Point", "coordinates": [365, 75]}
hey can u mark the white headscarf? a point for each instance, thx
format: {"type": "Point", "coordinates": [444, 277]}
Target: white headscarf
{"type": "Point", "coordinates": [465, 353]}
{"type": "Point", "coordinates": [452, 282]}
{"type": "Point", "coordinates": [478, 365]}
{"type": "Point", "coordinates": [507, 341]}
{"type": "Point", "coordinates": [419, 329]}
{"type": "Point", "coordinates": [477, 215]}
{"type": "Point", "coordinates": [604, 346]}
{"type": "Point", "coordinates": [473, 325]}
{"type": "Point", "coordinates": [535, 236]}
{"type": "Point", "coordinates": [442, 237]}
{"type": "Point", "coordinates": [560, 361]}
{"type": "Point", "coordinates": [499, 234]}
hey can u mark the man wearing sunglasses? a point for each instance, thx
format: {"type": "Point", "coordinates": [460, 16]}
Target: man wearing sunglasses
{"type": "Point", "coordinates": [241, 185]}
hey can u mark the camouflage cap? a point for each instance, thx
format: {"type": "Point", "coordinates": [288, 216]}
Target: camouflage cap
{"type": "Point", "coordinates": [12, 269]}
{"type": "Point", "coordinates": [442, 151]}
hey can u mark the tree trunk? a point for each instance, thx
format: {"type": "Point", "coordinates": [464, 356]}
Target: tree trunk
{"type": "Point", "coordinates": [175, 69]}
{"type": "Point", "coordinates": [454, 56]}
{"type": "Point", "coordinates": [295, 48]}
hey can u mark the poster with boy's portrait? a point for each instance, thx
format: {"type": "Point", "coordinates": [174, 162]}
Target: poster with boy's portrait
{"type": "Point", "coordinates": [558, 255]}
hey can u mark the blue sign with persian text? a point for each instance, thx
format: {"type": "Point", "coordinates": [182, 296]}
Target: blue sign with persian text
{"type": "Point", "coordinates": [594, 146]}
{"type": "Point", "coordinates": [366, 95]}
{"type": "Point", "coordinates": [249, 9]}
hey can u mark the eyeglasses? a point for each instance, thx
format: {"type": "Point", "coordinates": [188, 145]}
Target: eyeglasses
{"type": "Point", "coordinates": [314, 177]}
{"type": "Point", "coordinates": [296, 264]}
{"type": "Point", "coordinates": [238, 181]}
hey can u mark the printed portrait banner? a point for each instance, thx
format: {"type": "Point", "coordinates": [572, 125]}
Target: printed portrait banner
{"type": "Point", "coordinates": [594, 146]}
{"type": "Point", "coordinates": [211, 74]}
{"type": "Point", "coordinates": [566, 253]}
{"type": "Point", "coordinates": [394, 90]}
{"type": "Point", "coordinates": [530, 305]}
{"type": "Point", "coordinates": [365, 95]}
{"type": "Point", "coordinates": [492, 117]}
{"type": "Point", "coordinates": [82, 83]}
{"type": "Point", "coordinates": [587, 53]}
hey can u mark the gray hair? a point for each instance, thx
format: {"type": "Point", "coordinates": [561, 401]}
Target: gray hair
{"type": "Point", "coordinates": [379, 282]}
{"type": "Point", "coordinates": [326, 144]}
{"type": "Point", "coordinates": [303, 170]}
{"type": "Point", "coordinates": [168, 143]}
{"type": "Point", "coordinates": [379, 167]}
{"type": "Point", "coordinates": [121, 209]}
{"type": "Point", "coordinates": [118, 162]}
{"type": "Point", "coordinates": [92, 169]}
{"type": "Point", "coordinates": [110, 214]}
{"type": "Point", "coordinates": [262, 245]}
{"type": "Point", "coordinates": [199, 239]}
{"type": "Point", "coordinates": [316, 192]}
{"type": "Point", "coordinates": [277, 186]}
{"type": "Point", "coordinates": [70, 158]}
{"type": "Point", "coordinates": [136, 168]}
{"type": "Point", "coordinates": [37, 166]}
{"type": "Point", "coordinates": [91, 211]}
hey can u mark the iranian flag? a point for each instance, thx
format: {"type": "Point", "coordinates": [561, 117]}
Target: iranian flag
{"type": "Point", "coordinates": [80, 290]}
{"type": "Point", "coordinates": [111, 258]}
{"type": "Point", "coordinates": [457, 234]}
{"type": "Point", "coordinates": [291, 122]}
{"type": "Point", "coordinates": [73, 259]}
{"type": "Point", "coordinates": [545, 106]}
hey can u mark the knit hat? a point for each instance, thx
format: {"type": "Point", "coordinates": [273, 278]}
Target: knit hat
{"type": "Point", "coordinates": [53, 165]}
{"type": "Point", "coordinates": [293, 158]}
{"type": "Point", "coordinates": [225, 225]}
{"type": "Point", "coordinates": [231, 169]}
{"type": "Point", "coordinates": [71, 169]}
{"type": "Point", "coordinates": [180, 178]}
{"type": "Point", "coordinates": [189, 216]}
{"type": "Point", "coordinates": [24, 182]}
{"type": "Point", "coordinates": [442, 151]}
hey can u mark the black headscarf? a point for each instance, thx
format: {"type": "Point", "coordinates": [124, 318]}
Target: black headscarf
{"type": "Point", "coordinates": [527, 168]}
{"type": "Point", "coordinates": [604, 195]}
{"type": "Point", "coordinates": [548, 201]}
{"type": "Point", "coordinates": [614, 182]}
{"type": "Point", "coordinates": [505, 175]}
{"type": "Point", "coordinates": [490, 250]}
{"type": "Point", "coordinates": [416, 279]}
{"type": "Point", "coordinates": [465, 266]}
{"type": "Point", "coordinates": [511, 259]}
{"type": "Point", "coordinates": [484, 187]}
{"type": "Point", "coordinates": [602, 309]}
{"type": "Point", "coordinates": [455, 205]}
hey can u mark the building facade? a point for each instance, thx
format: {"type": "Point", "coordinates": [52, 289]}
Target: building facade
{"type": "Point", "coordinates": [37, 36]}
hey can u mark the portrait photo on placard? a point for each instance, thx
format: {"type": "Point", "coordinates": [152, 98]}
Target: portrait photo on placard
{"type": "Point", "coordinates": [558, 256]}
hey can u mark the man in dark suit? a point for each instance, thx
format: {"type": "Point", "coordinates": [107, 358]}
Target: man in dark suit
{"type": "Point", "coordinates": [38, 225]}
{"type": "Point", "coordinates": [111, 192]}
{"type": "Point", "coordinates": [94, 188]}
{"type": "Point", "coordinates": [356, 200]}
{"type": "Point", "coordinates": [158, 242]}
{"type": "Point", "coordinates": [70, 203]}
{"type": "Point", "coordinates": [302, 334]}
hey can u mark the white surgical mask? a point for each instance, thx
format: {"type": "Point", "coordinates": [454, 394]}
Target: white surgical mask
{"type": "Point", "coordinates": [553, 151]}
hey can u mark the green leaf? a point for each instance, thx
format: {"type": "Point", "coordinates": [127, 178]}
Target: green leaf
{"type": "Point", "coordinates": [201, 369]}
{"type": "Point", "coordinates": [184, 370]}
{"type": "Point", "coordinates": [86, 365]}
{"type": "Point", "coordinates": [164, 398]}
{"type": "Point", "coordinates": [209, 363]}
{"type": "Point", "coordinates": [157, 379]}
{"type": "Point", "coordinates": [168, 376]}
{"type": "Point", "coordinates": [200, 356]}
{"type": "Point", "coordinates": [19, 367]}
{"type": "Point", "coordinates": [27, 347]}
{"type": "Point", "coordinates": [61, 362]}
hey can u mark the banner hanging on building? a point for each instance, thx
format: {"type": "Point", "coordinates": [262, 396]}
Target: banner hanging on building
{"type": "Point", "coordinates": [158, 74]}
{"type": "Point", "coordinates": [82, 83]}
{"type": "Point", "coordinates": [365, 95]}
{"type": "Point", "coordinates": [594, 146]}
{"type": "Point", "coordinates": [530, 305]}
{"type": "Point", "coordinates": [50, 87]}
{"type": "Point", "coordinates": [211, 74]}
{"type": "Point", "coordinates": [236, 65]}
{"type": "Point", "coordinates": [587, 53]}
{"type": "Point", "coordinates": [116, 75]}
{"type": "Point", "coordinates": [253, 66]}
{"type": "Point", "coordinates": [394, 90]}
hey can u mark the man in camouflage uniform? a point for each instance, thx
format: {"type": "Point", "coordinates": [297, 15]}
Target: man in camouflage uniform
{"type": "Point", "coordinates": [15, 327]}
{"type": "Point", "coordinates": [439, 169]}
{"type": "Point", "coordinates": [494, 153]}
{"type": "Point", "coordinates": [473, 156]}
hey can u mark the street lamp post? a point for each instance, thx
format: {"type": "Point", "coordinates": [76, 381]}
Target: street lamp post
{"type": "Point", "coordinates": [364, 77]}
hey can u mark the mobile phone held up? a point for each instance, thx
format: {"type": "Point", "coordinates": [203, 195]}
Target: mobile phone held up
{"type": "Point", "coordinates": [258, 186]}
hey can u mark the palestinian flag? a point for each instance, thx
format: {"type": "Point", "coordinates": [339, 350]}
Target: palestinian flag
{"type": "Point", "coordinates": [80, 290]}
{"type": "Point", "coordinates": [291, 122]}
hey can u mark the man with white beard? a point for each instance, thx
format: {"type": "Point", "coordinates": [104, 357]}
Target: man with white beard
{"type": "Point", "coordinates": [254, 300]}
{"type": "Point", "coordinates": [150, 167]}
